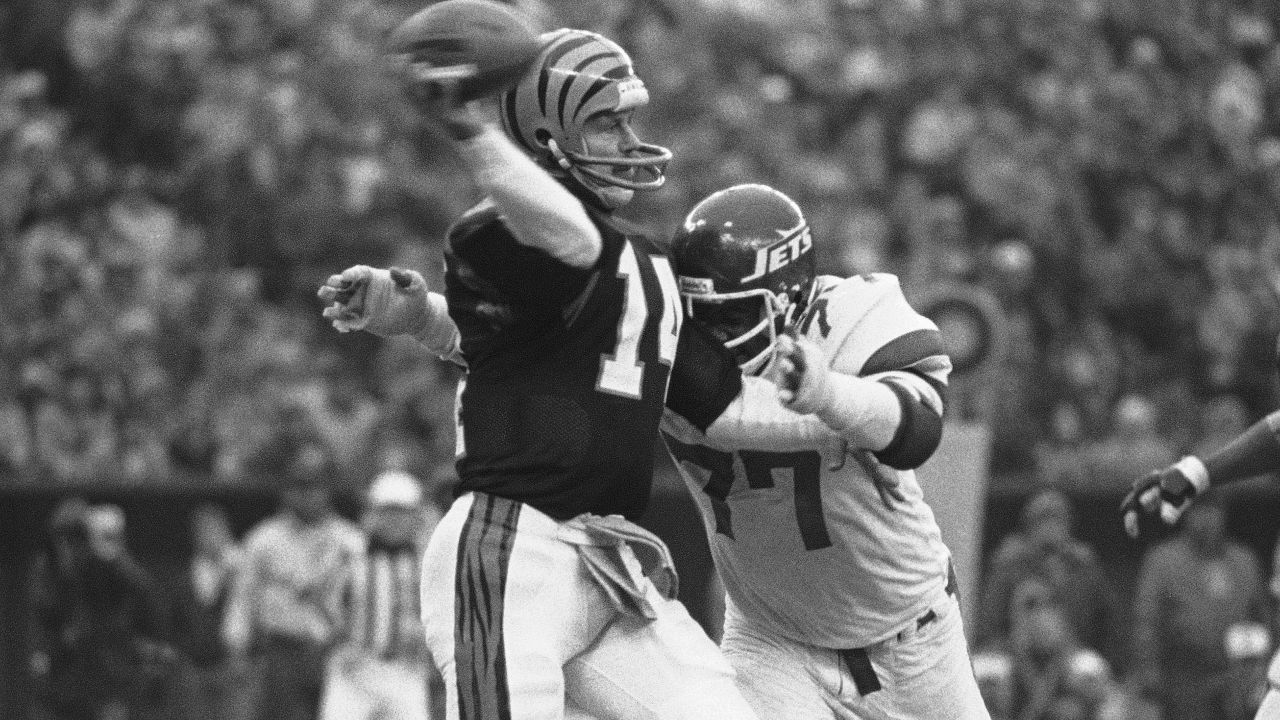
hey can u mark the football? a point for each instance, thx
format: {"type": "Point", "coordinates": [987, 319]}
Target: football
{"type": "Point", "coordinates": [484, 45]}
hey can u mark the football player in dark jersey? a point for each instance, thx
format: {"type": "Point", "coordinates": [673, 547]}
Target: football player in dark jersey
{"type": "Point", "coordinates": [536, 590]}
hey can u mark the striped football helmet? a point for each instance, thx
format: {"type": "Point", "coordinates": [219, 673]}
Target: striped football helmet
{"type": "Point", "coordinates": [577, 75]}
{"type": "Point", "coordinates": [744, 260]}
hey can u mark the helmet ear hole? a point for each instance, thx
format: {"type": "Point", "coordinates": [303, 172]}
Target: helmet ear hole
{"type": "Point", "coordinates": [542, 136]}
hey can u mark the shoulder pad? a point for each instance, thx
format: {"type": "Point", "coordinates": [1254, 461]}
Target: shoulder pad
{"type": "Point", "coordinates": [840, 304]}
{"type": "Point", "coordinates": [865, 325]}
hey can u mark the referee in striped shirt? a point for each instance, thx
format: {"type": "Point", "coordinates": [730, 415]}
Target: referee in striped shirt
{"type": "Point", "coordinates": [382, 669]}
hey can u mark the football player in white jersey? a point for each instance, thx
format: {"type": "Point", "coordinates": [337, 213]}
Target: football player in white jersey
{"type": "Point", "coordinates": [1162, 496]}
{"type": "Point", "coordinates": [840, 597]}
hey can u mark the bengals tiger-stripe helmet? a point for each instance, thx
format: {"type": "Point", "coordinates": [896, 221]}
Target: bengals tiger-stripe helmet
{"type": "Point", "coordinates": [744, 261]}
{"type": "Point", "coordinates": [577, 75]}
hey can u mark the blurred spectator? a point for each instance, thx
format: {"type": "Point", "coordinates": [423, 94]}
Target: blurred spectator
{"type": "Point", "coordinates": [1044, 550]}
{"type": "Point", "coordinates": [1053, 676]}
{"type": "Point", "coordinates": [345, 417]}
{"type": "Point", "coordinates": [107, 531]}
{"type": "Point", "coordinates": [1133, 447]}
{"type": "Point", "coordinates": [1060, 452]}
{"type": "Point", "coordinates": [99, 637]}
{"type": "Point", "coordinates": [1224, 418]}
{"type": "Point", "coordinates": [1200, 622]}
{"type": "Point", "coordinates": [214, 686]}
{"type": "Point", "coordinates": [382, 669]}
{"type": "Point", "coordinates": [1114, 159]}
{"type": "Point", "coordinates": [286, 605]}
{"type": "Point", "coordinates": [74, 430]}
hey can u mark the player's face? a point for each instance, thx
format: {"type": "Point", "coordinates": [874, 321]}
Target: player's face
{"type": "Point", "coordinates": [732, 319]}
{"type": "Point", "coordinates": [610, 135]}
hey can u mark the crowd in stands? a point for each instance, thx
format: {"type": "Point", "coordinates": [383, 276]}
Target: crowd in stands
{"type": "Point", "coordinates": [310, 616]}
{"type": "Point", "coordinates": [178, 176]}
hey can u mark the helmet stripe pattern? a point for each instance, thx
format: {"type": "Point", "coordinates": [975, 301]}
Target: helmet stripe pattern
{"type": "Point", "coordinates": [600, 66]}
{"type": "Point", "coordinates": [555, 51]}
{"type": "Point", "coordinates": [586, 70]}
{"type": "Point", "coordinates": [602, 73]}
{"type": "Point", "coordinates": [580, 73]}
{"type": "Point", "coordinates": [596, 87]}
{"type": "Point", "coordinates": [512, 121]}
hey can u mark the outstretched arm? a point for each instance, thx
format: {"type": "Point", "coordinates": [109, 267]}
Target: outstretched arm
{"type": "Point", "coordinates": [709, 392]}
{"type": "Point", "coordinates": [390, 302]}
{"type": "Point", "coordinates": [898, 421]}
{"type": "Point", "coordinates": [1168, 492]}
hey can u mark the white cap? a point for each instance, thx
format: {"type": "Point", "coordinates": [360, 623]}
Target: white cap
{"type": "Point", "coordinates": [395, 488]}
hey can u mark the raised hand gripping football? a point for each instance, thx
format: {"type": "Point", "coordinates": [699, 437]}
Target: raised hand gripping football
{"type": "Point", "coordinates": [385, 302]}
{"type": "Point", "coordinates": [1164, 494]}
{"type": "Point", "coordinates": [456, 51]}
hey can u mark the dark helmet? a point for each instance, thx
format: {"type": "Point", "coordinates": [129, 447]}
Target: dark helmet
{"type": "Point", "coordinates": [744, 259]}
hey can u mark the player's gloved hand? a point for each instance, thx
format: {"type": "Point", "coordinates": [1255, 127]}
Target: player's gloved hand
{"type": "Point", "coordinates": [802, 376]}
{"type": "Point", "coordinates": [1165, 494]}
{"type": "Point", "coordinates": [805, 386]}
{"type": "Point", "coordinates": [385, 302]}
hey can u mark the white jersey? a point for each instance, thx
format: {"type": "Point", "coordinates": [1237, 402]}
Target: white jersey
{"type": "Point", "coordinates": [802, 541]}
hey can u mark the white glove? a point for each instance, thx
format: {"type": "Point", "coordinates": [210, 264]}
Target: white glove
{"type": "Point", "coordinates": [385, 302]}
{"type": "Point", "coordinates": [802, 376]}
{"type": "Point", "coordinates": [846, 404]}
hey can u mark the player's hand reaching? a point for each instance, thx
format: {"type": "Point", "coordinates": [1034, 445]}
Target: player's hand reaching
{"type": "Point", "coordinates": [804, 386]}
{"type": "Point", "coordinates": [801, 375]}
{"type": "Point", "coordinates": [1164, 494]}
{"type": "Point", "coordinates": [385, 302]}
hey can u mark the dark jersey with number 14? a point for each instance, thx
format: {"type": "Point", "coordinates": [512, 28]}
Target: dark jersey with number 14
{"type": "Point", "coordinates": [567, 367]}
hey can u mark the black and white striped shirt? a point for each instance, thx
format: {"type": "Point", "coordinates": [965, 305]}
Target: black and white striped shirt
{"type": "Point", "coordinates": [383, 601]}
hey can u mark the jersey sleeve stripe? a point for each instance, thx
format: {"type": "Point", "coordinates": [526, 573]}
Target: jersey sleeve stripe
{"type": "Point", "coordinates": [918, 434]}
{"type": "Point", "coordinates": [904, 351]}
{"type": "Point", "coordinates": [919, 386]}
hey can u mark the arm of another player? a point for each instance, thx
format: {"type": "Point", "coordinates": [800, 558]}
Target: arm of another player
{"type": "Point", "coordinates": [539, 211]}
{"type": "Point", "coordinates": [390, 302]}
{"type": "Point", "coordinates": [1168, 492]}
{"type": "Point", "coordinates": [708, 391]}
{"type": "Point", "coordinates": [898, 418]}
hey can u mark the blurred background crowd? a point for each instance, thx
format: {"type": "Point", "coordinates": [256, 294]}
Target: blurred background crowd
{"type": "Point", "coordinates": [177, 177]}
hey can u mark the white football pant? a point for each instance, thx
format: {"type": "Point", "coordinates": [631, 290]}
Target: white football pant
{"type": "Point", "coordinates": [922, 672]}
{"type": "Point", "coordinates": [518, 628]}
{"type": "Point", "coordinates": [358, 687]}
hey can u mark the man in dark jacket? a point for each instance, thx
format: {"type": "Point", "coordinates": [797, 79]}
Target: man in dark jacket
{"type": "Point", "coordinates": [97, 630]}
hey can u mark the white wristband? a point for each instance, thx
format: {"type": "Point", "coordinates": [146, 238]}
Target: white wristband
{"type": "Point", "coordinates": [1195, 471]}
{"type": "Point", "coordinates": [864, 412]}
{"type": "Point", "coordinates": [438, 332]}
